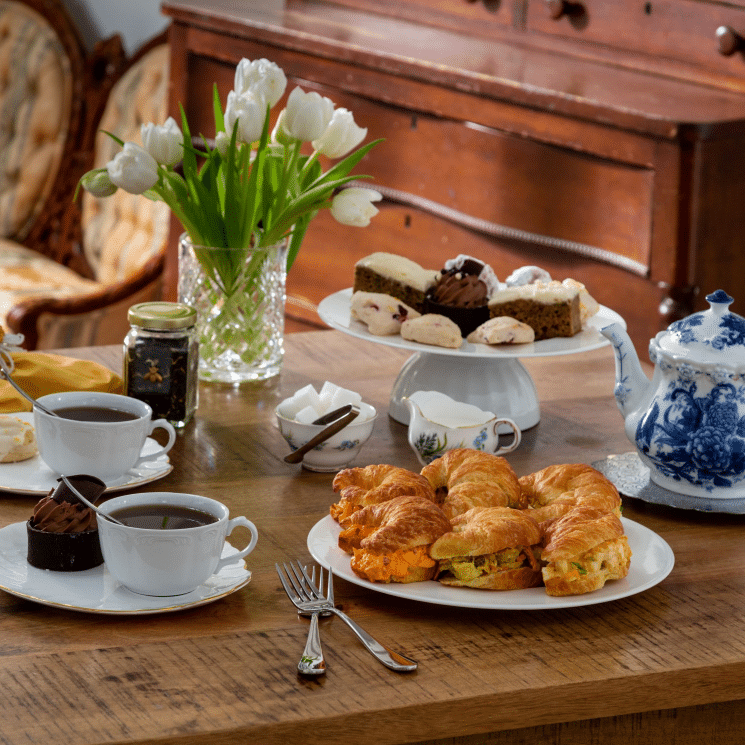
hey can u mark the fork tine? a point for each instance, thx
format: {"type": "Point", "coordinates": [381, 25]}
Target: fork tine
{"type": "Point", "coordinates": [310, 590]}
{"type": "Point", "coordinates": [290, 594]}
{"type": "Point", "coordinates": [295, 578]}
{"type": "Point", "coordinates": [311, 580]}
{"type": "Point", "coordinates": [330, 587]}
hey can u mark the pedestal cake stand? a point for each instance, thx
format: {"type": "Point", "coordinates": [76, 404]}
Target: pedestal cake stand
{"type": "Point", "coordinates": [492, 378]}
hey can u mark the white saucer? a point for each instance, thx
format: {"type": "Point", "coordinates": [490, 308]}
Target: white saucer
{"type": "Point", "coordinates": [35, 477]}
{"type": "Point", "coordinates": [95, 590]}
{"type": "Point", "coordinates": [631, 477]}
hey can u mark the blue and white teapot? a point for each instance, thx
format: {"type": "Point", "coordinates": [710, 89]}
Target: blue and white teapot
{"type": "Point", "coordinates": [688, 423]}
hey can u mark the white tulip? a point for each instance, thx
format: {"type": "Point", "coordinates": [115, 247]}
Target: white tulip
{"type": "Point", "coordinates": [353, 206]}
{"type": "Point", "coordinates": [279, 133]}
{"type": "Point", "coordinates": [164, 142]}
{"type": "Point", "coordinates": [133, 169]}
{"type": "Point", "coordinates": [260, 76]}
{"type": "Point", "coordinates": [341, 136]}
{"type": "Point", "coordinates": [222, 142]}
{"type": "Point", "coordinates": [98, 183]}
{"type": "Point", "coordinates": [249, 110]}
{"type": "Point", "coordinates": [307, 115]}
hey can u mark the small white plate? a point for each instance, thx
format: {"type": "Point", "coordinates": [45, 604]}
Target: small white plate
{"type": "Point", "coordinates": [652, 560]}
{"type": "Point", "coordinates": [334, 310]}
{"type": "Point", "coordinates": [33, 476]}
{"type": "Point", "coordinates": [95, 590]}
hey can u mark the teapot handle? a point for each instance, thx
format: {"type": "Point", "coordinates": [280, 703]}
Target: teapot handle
{"type": "Point", "coordinates": [516, 436]}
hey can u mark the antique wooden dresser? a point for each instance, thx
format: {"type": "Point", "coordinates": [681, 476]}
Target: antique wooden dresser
{"type": "Point", "coordinates": [601, 139]}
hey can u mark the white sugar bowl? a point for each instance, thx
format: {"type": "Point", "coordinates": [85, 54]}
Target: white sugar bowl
{"type": "Point", "coordinates": [295, 416]}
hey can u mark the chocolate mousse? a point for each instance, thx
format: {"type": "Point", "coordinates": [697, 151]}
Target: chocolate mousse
{"type": "Point", "coordinates": [63, 533]}
{"type": "Point", "coordinates": [462, 291]}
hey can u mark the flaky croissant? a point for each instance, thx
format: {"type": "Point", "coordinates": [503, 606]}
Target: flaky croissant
{"type": "Point", "coordinates": [555, 490]}
{"type": "Point", "coordinates": [582, 551]}
{"type": "Point", "coordinates": [466, 478]}
{"type": "Point", "coordinates": [362, 487]}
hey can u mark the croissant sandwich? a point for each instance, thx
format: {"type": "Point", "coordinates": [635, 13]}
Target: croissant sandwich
{"type": "Point", "coordinates": [490, 548]}
{"type": "Point", "coordinates": [583, 550]}
{"type": "Point", "coordinates": [389, 541]}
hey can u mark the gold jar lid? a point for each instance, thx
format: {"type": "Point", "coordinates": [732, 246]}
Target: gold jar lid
{"type": "Point", "coordinates": [162, 315]}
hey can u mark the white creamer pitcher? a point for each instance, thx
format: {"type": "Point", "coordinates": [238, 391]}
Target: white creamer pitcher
{"type": "Point", "coordinates": [438, 424]}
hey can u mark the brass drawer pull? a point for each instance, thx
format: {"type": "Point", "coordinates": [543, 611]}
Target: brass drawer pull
{"type": "Point", "coordinates": [559, 8]}
{"type": "Point", "coordinates": [729, 41]}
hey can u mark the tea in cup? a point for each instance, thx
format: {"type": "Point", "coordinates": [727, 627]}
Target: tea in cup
{"type": "Point", "coordinates": [170, 543]}
{"type": "Point", "coordinates": [99, 434]}
{"type": "Point", "coordinates": [438, 423]}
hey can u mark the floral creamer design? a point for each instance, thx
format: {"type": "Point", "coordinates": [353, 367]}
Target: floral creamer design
{"type": "Point", "coordinates": [438, 423]}
{"type": "Point", "coordinates": [432, 445]}
{"type": "Point", "coordinates": [688, 423]}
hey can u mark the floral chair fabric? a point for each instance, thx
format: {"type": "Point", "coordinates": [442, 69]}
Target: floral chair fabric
{"type": "Point", "coordinates": [124, 236]}
{"type": "Point", "coordinates": [122, 232]}
{"type": "Point", "coordinates": [36, 100]}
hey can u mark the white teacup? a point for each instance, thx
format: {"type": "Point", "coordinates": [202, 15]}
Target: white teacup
{"type": "Point", "coordinates": [105, 449]}
{"type": "Point", "coordinates": [165, 562]}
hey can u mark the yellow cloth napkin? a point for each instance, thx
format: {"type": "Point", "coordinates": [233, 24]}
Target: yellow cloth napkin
{"type": "Point", "coordinates": [39, 373]}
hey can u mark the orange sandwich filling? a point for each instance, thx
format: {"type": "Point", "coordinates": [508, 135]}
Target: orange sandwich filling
{"type": "Point", "coordinates": [382, 567]}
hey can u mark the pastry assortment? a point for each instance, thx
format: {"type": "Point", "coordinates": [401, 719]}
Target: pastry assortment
{"type": "Point", "coordinates": [392, 294]}
{"type": "Point", "coordinates": [467, 520]}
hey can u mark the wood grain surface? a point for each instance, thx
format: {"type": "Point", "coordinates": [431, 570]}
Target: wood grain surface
{"type": "Point", "coordinates": [668, 663]}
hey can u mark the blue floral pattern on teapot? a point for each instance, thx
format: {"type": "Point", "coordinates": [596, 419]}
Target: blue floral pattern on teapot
{"type": "Point", "coordinates": [688, 423]}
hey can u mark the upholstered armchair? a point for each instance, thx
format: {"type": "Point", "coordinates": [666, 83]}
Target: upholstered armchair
{"type": "Point", "coordinates": [74, 288]}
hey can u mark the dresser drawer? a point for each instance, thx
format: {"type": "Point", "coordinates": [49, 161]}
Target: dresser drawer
{"type": "Point", "coordinates": [684, 30]}
{"type": "Point", "coordinates": [508, 180]}
{"type": "Point", "coordinates": [447, 13]}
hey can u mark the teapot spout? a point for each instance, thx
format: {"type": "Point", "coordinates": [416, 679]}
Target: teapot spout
{"type": "Point", "coordinates": [632, 385]}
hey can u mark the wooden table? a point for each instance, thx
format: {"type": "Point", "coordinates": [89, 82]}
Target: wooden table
{"type": "Point", "coordinates": [668, 663]}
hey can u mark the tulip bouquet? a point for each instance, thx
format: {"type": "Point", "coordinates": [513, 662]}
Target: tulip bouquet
{"type": "Point", "coordinates": [248, 189]}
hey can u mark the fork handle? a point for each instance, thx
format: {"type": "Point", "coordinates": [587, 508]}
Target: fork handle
{"type": "Point", "coordinates": [393, 660]}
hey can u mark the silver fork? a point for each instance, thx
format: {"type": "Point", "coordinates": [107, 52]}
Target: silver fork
{"type": "Point", "coordinates": [312, 661]}
{"type": "Point", "coordinates": [306, 596]}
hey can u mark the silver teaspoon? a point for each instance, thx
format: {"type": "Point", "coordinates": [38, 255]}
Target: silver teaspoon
{"type": "Point", "coordinates": [297, 455]}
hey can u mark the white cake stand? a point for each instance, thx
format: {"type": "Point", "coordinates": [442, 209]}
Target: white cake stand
{"type": "Point", "coordinates": [492, 378]}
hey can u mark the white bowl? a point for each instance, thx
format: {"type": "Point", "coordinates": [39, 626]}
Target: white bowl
{"type": "Point", "coordinates": [335, 453]}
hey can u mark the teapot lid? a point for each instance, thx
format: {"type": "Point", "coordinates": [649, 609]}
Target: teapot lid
{"type": "Point", "coordinates": [714, 335]}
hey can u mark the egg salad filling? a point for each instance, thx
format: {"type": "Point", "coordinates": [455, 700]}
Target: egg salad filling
{"type": "Point", "coordinates": [384, 567]}
{"type": "Point", "coordinates": [468, 568]}
{"type": "Point", "coordinates": [610, 558]}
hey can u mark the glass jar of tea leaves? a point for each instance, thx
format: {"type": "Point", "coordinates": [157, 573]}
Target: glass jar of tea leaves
{"type": "Point", "coordinates": [161, 357]}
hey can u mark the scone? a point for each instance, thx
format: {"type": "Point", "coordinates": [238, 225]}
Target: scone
{"type": "Point", "coordinates": [502, 330]}
{"type": "Point", "coordinates": [17, 439]}
{"type": "Point", "coordinates": [433, 329]}
{"type": "Point", "coordinates": [383, 314]}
